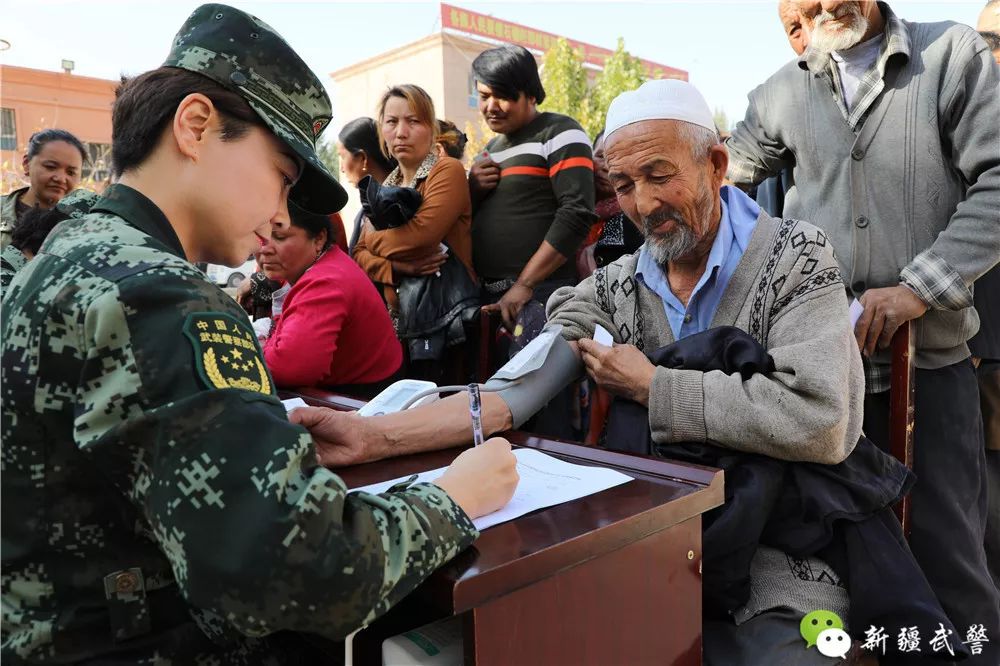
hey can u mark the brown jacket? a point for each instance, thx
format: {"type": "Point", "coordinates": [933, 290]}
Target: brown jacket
{"type": "Point", "coordinates": [444, 216]}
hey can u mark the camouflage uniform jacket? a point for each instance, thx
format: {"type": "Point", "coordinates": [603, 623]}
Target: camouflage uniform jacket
{"type": "Point", "coordinates": [11, 261]}
{"type": "Point", "coordinates": [158, 507]}
{"type": "Point", "coordinates": [8, 215]}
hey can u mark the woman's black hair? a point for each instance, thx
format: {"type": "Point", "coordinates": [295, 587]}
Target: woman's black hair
{"type": "Point", "coordinates": [42, 137]}
{"type": "Point", "coordinates": [34, 227]}
{"type": "Point", "coordinates": [361, 136]}
{"type": "Point", "coordinates": [509, 70]}
{"type": "Point", "coordinates": [312, 223]}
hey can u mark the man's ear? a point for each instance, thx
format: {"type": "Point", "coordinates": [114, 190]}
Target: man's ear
{"type": "Point", "coordinates": [193, 118]}
{"type": "Point", "coordinates": [24, 163]}
{"type": "Point", "coordinates": [718, 155]}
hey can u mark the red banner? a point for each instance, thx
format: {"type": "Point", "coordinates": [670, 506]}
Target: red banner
{"type": "Point", "coordinates": [481, 25]}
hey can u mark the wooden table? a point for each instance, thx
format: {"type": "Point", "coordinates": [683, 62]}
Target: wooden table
{"type": "Point", "coordinates": [613, 578]}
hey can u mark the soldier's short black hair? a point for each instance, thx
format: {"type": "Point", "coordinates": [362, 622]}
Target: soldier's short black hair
{"type": "Point", "coordinates": [312, 223]}
{"type": "Point", "coordinates": [145, 105]}
{"type": "Point", "coordinates": [992, 39]}
{"type": "Point", "coordinates": [34, 227]}
{"type": "Point", "coordinates": [42, 137]}
{"type": "Point", "coordinates": [510, 71]}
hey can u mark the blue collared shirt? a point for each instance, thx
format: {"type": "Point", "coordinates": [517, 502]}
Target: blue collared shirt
{"type": "Point", "coordinates": [739, 218]}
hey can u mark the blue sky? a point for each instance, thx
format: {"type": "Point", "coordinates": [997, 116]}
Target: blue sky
{"type": "Point", "coordinates": [728, 47]}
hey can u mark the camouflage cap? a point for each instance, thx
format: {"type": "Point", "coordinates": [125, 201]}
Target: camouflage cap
{"type": "Point", "coordinates": [78, 202]}
{"type": "Point", "coordinates": [245, 54]}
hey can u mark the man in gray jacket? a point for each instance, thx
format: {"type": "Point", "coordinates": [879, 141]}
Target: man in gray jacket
{"type": "Point", "coordinates": [892, 130]}
{"type": "Point", "coordinates": [711, 258]}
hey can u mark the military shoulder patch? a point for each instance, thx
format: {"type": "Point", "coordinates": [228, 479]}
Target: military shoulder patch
{"type": "Point", "coordinates": [226, 352]}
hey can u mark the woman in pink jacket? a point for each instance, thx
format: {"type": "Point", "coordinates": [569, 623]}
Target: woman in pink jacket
{"type": "Point", "coordinates": [330, 328]}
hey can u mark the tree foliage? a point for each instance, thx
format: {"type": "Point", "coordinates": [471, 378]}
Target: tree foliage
{"type": "Point", "coordinates": [564, 79]}
{"type": "Point", "coordinates": [478, 135]}
{"type": "Point", "coordinates": [622, 72]}
{"type": "Point", "coordinates": [721, 120]}
{"type": "Point", "coordinates": [326, 151]}
{"type": "Point", "coordinates": [567, 90]}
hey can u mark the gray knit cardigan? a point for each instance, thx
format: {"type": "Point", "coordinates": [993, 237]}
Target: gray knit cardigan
{"type": "Point", "coordinates": [788, 294]}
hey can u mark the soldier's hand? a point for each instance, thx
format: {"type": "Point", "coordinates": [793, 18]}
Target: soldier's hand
{"type": "Point", "coordinates": [885, 310]}
{"type": "Point", "coordinates": [621, 370]}
{"type": "Point", "coordinates": [484, 176]}
{"type": "Point", "coordinates": [481, 479]}
{"type": "Point", "coordinates": [341, 437]}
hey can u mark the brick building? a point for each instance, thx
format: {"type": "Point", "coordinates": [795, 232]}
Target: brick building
{"type": "Point", "coordinates": [34, 99]}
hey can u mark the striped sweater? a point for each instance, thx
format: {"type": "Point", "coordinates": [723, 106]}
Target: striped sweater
{"type": "Point", "coordinates": [546, 193]}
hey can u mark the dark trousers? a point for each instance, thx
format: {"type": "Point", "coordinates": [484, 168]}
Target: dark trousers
{"type": "Point", "coordinates": [949, 499]}
{"type": "Point", "coordinates": [989, 401]}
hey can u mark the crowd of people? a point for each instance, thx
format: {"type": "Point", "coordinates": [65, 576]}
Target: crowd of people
{"type": "Point", "coordinates": [154, 485]}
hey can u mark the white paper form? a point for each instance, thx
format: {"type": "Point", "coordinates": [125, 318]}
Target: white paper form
{"type": "Point", "coordinates": [293, 403]}
{"type": "Point", "coordinates": [855, 312]}
{"type": "Point", "coordinates": [545, 481]}
{"type": "Point", "coordinates": [602, 336]}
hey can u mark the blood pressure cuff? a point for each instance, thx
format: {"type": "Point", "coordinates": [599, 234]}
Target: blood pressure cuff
{"type": "Point", "coordinates": [536, 374]}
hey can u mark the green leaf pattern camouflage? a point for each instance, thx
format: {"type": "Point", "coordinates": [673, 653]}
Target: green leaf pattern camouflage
{"type": "Point", "coordinates": [117, 458]}
{"type": "Point", "coordinates": [8, 215]}
{"type": "Point", "coordinates": [246, 54]}
{"type": "Point", "coordinates": [11, 261]}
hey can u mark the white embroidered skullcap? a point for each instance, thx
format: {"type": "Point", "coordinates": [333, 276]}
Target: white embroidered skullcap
{"type": "Point", "coordinates": [660, 99]}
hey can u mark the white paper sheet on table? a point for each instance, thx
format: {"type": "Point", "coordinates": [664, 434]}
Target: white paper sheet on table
{"type": "Point", "coordinates": [545, 481]}
{"type": "Point", "coordinates": [292, 403]}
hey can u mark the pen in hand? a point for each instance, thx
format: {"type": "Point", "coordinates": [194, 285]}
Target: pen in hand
{"type": "Point", "coordinates": [475, 409]}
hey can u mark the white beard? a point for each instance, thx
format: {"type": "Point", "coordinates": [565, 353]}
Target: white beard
{"type": "Point", "coordinates": [664, 249]}
{"type": "Point", "coordinates": [825, 39]}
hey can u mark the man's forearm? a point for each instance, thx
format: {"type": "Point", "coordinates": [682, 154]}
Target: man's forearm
{"type": "Point", "coordinates": [439, 425]}
{"type": "Point", "coordinates": [542, 264]}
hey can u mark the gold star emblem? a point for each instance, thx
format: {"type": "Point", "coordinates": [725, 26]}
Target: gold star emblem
{"type": "Point", "coordinates": [236, 353]}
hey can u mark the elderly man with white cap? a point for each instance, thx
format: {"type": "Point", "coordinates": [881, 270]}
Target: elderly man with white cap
{"type": "Point", "coordinates": [711, 258]}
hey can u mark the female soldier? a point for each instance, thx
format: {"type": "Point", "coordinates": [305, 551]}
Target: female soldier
{"type": "Point", "coordinates": [152, 482]}
{"type": "Point", "coordinates": [52, 164]}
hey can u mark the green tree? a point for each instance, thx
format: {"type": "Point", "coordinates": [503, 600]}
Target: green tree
{"type": "Point", "coordinates": [564, 80]}
{"type": "Point", "coordinates": [622, 72]}
{"type": "Point", "coordinates": [721, 120]}
{"type": "Point", "coordinates": [326, 150]}
{"type": "Point", "coordinates": [478, 135]}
